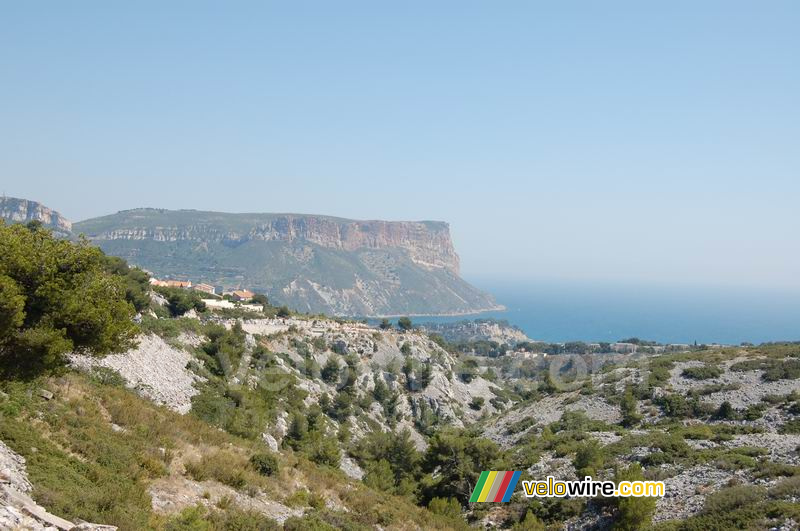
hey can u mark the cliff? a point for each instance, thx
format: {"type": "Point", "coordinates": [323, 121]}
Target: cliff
{"type": "Point", "coordinates": [311, 263]}
{"type": "Point", "coordinates": [427, 242]}
{"type": "Point", "coordinates": [22, 211]}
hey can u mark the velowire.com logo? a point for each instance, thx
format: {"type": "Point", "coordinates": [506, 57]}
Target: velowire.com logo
{"type": "Point", "coordinates": [494, 486]}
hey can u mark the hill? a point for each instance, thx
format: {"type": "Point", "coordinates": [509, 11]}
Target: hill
{"type": "Point", "coordinates": [311, 263]}
{"type": "Point", "coordinates": [17, 210]}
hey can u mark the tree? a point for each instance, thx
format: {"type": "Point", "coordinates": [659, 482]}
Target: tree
{"type": "Point", "coordinates": [458, 458]}
{"type": "Point", "coordinates": [630, 413]}
{"type": "Point", "coordinates": [404, 324]}
{"type": "Point", "coordinates": [137, 282]}
{"type": "Point", "coordinates": [283, 312]}
{"type": "Point", "coordinates": [56, 297]}
{"type": "Point", "coordinates": [380, 476]}
{"type": "Point", "coordinates": [297, 433]}
{"type": "Point", "coordinates": [589, 459]}
{"type": "Point", "coordinates": [633, 513]}
{"type": "Point", "coordinates": [180, 301]}
{"type": "Point", "coordinates": [385, 324]}
{"type": "Point", "coordinates": [260, 298]}
{"type": "Point", "coordinates": [330, 372]}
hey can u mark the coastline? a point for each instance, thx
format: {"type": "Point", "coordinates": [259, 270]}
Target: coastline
{"type": "Point", "coordinates": [497, 308]}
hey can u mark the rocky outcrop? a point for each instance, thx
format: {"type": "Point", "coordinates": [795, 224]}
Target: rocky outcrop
{"type": "Point", "coordinates": [22, 211]}
{"type": "Point", "coordinates": [155, 369]}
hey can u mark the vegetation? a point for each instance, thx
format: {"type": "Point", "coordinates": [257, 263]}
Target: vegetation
{"type": "Point", "coordinates": [57, 297]}
{"type": "Point", "coordinates": [95, 450]}
{"type": "Point", "coordinates": [706, 372]}
{"type": "Point", "coordinates": [633, 513]}
{"type": "Point", "coordinates": [180, 301]}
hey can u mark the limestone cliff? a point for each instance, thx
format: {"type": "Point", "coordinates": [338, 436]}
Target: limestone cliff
{"type": "Point", "coordinates": [312, 263]}
{"type": "Point", "coordinates": [428, 242]}
{"type": "Point", "coordinates": [22, 211]}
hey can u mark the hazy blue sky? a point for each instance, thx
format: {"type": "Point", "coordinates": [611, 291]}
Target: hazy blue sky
{"type": "Point", "coordinates": [625, 141]}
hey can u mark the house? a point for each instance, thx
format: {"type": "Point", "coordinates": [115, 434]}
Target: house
{"type": "Point", "coordinates": [242, 295]}
{"type": "Point", "coordinates": [205, 288]}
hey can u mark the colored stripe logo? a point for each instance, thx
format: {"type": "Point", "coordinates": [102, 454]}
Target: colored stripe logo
{"type": "Point", "coordinates": [495, 486]}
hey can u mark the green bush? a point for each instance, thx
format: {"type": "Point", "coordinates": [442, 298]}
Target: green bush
{"type": "Point", "coordinates": [633, 513]}
{"type": "Point", "coordinates": [731, 498]}
{"type": "Point", "coordinates": [265, 464]}
{"type": "Point", "coordinates": [706, 372]}
{"type": "Point", "coordinates": [445, 507]}
{"type": "Point", "coordinates": [476, 403]}
{"type": "Point", "coordinates": [589, 459]}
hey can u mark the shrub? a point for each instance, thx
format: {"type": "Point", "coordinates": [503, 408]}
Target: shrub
{"type": "Point", "coordinates": [633, 513]}
{"type": "Point", "coordinates": [264, 463]}
{"type": "Point", "coordinates": [476, 403]}
{"type": "Point", "coordinates": [732, 498]}
{"type": "Point", "coordinates": [725, 412]}
{"type": "Point", "coordinates": [330, 372]}
{"type": "Point", "coordinates": [706, 372]}
{"type": "Point", "coordinates": [445, 507]}
{"type": "Point", "coordinates": [788, 488]}
{"type": "Point", "coordinates": [589, 459]}
{"type": "Point", "coordinates": [404, 323]}
{"type": "Point", "coordinates": [790, 426]}
{"type": "Point", "coordinates": [530, 523]}
{"type": "Point", "coordinates": [225, 467]}
{"type": "Point", "coordinates": [782, 370]}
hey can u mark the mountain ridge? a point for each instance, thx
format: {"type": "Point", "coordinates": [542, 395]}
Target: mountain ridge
{"type": "Point", "coordinates": [312, 263]}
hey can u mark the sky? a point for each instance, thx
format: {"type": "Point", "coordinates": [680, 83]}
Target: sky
{"type": "Point", "coordinates": [640, 142]}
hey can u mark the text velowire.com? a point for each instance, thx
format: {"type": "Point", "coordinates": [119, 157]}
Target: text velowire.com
{"type": "Point", "coordinates": [498, 486]}
{"type": "Point", "coordinates": [589, 488]}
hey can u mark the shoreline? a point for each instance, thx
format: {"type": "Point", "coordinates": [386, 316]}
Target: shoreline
{"type": "Point", "coordinates": [498, 308]}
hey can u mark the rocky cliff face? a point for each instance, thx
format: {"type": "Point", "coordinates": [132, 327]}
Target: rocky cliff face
{"type": "Point", "coordinates": [23, 211]}
{"type": "Point", "coordinates": [311, 263]}
{"type": "Point", "coordinates": [428, 243]}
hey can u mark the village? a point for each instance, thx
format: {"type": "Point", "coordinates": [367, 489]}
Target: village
{"type": "Point", "coordinates": [238, 298]}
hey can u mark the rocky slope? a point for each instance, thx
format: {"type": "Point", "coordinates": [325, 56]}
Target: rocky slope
{"type": "Point", "coordinates": [18, 511]}
{"type": "Point", "coordinates": [545, 421]}
{"type": "Point", "coordinates": [22, 211]}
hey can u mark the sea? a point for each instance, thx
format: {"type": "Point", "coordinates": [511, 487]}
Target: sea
{"type": "Point", "coordinates": [569, 311]}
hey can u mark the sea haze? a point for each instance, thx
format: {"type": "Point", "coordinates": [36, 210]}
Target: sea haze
{"type": "Point", "coordinates": [557, 312]}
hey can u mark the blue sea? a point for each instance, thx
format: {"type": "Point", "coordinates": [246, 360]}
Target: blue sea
{"type": "Point", "coordinates": [557, 312]}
